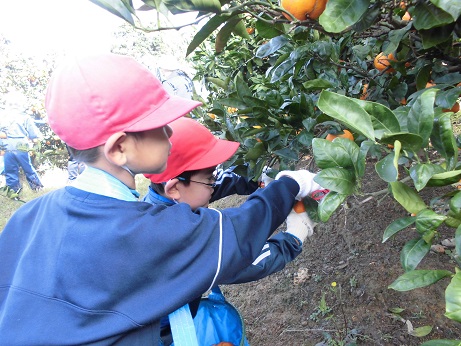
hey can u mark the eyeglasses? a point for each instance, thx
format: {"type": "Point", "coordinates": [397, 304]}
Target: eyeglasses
{"type": "Point", "coordinates": [213, 185]}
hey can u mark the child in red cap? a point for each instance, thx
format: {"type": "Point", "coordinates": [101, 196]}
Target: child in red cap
{"type": "Point", "coordinates": [90, 264]}
{"type": "Point", "coordinates": [189, 178]}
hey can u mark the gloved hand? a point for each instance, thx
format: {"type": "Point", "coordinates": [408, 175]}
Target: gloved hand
{"type": "Point", "coordinates": [300, 225]}
{"type": "Point", "coordinates": [305, 180]}
{"type": "Point", "coordinates": [264, 179]}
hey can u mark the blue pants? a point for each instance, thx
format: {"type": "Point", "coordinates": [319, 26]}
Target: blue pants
{"type": "Point", "coordinates": [15, 159]}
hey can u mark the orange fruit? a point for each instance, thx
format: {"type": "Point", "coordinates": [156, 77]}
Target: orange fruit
{"type": "Point", "coordinates": [299, 207]}
{"type": "Point", "coordinates": [382, 61]}
{"type": "Point", "coordinates": [347, 134]}
{"type": "Point", "coordinates": [403, 101]}
{"type": "Point", "coordinates": [364, 92]}
{"type": "Point", "coordinates": [454, 109]}
{"type": "Point", "coordinates": [430, 84]}
{"type": "Point", "coordinates": [250, 30]}
{"type": "Point", "coordinates": [403, 5]}
{"type": "Point", "coordinates": [303, 9]}
{"type": "Point", "coordinates": [406, 16]}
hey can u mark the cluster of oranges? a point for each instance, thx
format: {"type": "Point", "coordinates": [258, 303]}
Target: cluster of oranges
{"type": "Point", "coordinates": [303, 9]}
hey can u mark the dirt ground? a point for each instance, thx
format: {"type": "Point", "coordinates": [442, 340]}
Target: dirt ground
{"type": "Point", "coordinates": [302, 305]}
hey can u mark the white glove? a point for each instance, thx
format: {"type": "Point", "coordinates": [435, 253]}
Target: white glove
{"type": "Point", "coordinates": [264, 179]}
{"type": "Point", "coordinates": [300, 225]}
{"type": "Point", "coordinates": [305, 180]}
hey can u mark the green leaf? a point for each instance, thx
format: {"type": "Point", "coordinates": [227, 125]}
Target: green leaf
{"type": "Point", "coordinates": [407, 197]}
{"type": "Point", "coordinates": [453, 298]}
{"type": "Point", "coordinates": [341, 14]}
{"type": "Point", "coordinates": [281, 70]}
{"type": "Point", "coordinates": [397, 226]}
{"type": "Point", "coordinates": [317, 84]}
{"type": "Point", "coordinates": [243, 90]}
{"type": "Point", "coordinates": [394, 37]}
{"type": "Point", "coordinates": [421, 115]}
{"type": "Point", "coordinates": [421, 331]}
{"type": "Point", "coordinates": [271, 47]}
{"type": "Point", "coordinates": [225, 33]}
{"type": "Point", "coordinates": [444, 179]}
{"type": "Point", "coordinates": [382, 118]}
{"type": "Point", "coordinates": [443, 140]}
{"type": "Point", "coordinates": [197, 5]}
{"type": "Point", "coordinates": [267, 30]}
{"type": "Point", "coordinates": [206, 30]}
{"type": "Point", "coordinates": [421, 173]}
{"type": "Point", "coordinates": [427, 16]}
{"type": "Point", "coordinates": [117, 8]}
{"type": "Point", "coordinates": [218, 82]}
{"type": "Point", "coordinates": [346, 111]}
{"type": "Point", "coordinates": [330, 154]}
{"type": "Point", "coordinates": [427, 219]}
{"type": "Point", "coordinates": [287, 153]}
{"type": "Point", "coordinates": [386, 168]}
{"type": "Point", "coordinates": [409, 141]}
{"type": "Point", "coordinates": [458, 241]}
{"type": "Point", "coordinates": [339, 180]}
{"type": "Point", "coordinates": [241, 30]}
{"type": "Point", "coordinates": [417, 279]}
{"type": "Point", "coordinates": [413, 252]}
{"type": "Point", "coordinates": [449, 6]}
{"type": "Point", "coordinates": [435, 36]}
{"type": "Point", "coordinates": [329, 204]}
{"type": "Point", "coordinates": [442, 342]}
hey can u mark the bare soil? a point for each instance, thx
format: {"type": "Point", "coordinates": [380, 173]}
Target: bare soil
{"type": "Point", "coordinates": [286, 308]}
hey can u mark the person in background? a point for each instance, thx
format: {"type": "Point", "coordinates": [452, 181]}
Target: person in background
{"type": "Point", "coordinates": [174, 79]}
{"type": "Point", "coordinates": [190, 177]}
{"type": "Point", "coordinates": [19, 131]}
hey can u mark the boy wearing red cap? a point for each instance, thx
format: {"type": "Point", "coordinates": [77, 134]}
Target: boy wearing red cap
{"type": "Point", "coordinates": [189, 179]}
{"type": "Point", "coordinates": [90, 264]}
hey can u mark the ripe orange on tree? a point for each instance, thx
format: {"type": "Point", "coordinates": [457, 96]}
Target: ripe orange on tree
{"type": "Point", "coordinates": [454, 109]}
{"type": "Point", "coordinates": [406, 16]}
{"type": "Point", "coordinates": [364, 92]}
{"type": "Point", "coordinates": [382, 61]}
{"type": "Point", "coordinates": [303, 9]}
{"type": "Point", "coordinates": [347, 134]}
{"type": "Point", "coordinates": [299, 207]}
{"type": "Point", "coordinates": [250, 30]}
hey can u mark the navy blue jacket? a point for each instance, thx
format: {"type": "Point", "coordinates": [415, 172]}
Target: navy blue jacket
{"type": "Point", "coordinates": [81, 268]}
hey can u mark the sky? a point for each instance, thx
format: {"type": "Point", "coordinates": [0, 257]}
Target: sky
{"type": "Point", "coordinates": [38, 26]}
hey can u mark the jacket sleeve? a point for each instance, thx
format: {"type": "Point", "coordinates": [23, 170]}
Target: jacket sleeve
{"type": "Point", "coordinates": [279, 250]}
{"type": "Point", "coordinates": [229, 183]}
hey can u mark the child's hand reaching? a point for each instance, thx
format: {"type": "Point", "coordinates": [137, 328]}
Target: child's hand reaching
{"type": "Point", "coordinates": [305, 180]}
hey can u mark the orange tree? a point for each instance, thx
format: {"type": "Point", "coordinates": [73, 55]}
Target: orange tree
{"type": "Point", "coordinates": [281, 88]}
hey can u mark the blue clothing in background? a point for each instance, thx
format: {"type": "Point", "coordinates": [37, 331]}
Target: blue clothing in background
{"type": "Point", "coordinates": [20, 129]}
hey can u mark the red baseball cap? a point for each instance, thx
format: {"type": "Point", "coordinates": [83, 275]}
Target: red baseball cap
{"type": "Point", "coordinates": [193, 147]}
{"type": "Point", "coordinates": [92, 97]}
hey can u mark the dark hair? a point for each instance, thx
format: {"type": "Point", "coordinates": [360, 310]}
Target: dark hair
{"type": "Point", "coordinates": [92, 154]}
{"type": "Point", "coordinates": [87, 155]}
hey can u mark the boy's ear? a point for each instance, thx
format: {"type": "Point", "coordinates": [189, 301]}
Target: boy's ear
{"type": "Point", "coordinates": [171, 189]}
{"type": "Point", "coordinates": [115, 148]}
